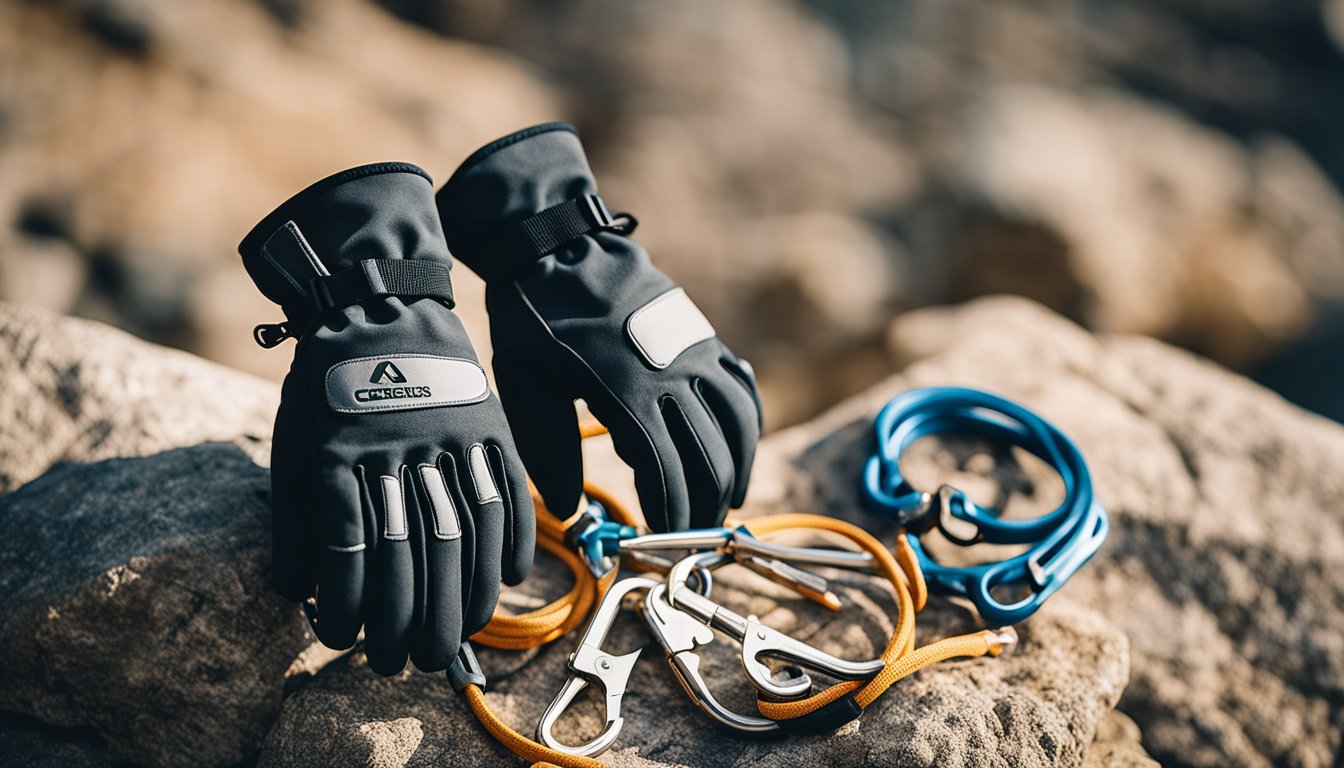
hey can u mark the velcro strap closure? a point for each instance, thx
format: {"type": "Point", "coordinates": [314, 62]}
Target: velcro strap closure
{"type": "Point", "coordinates": [383, 277]}
{"type": "Point", "coordinates": [518, 245]}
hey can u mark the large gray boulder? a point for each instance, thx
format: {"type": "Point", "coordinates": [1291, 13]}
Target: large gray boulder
{"type": "Point", "coordinates": [1038, 707]}
{"type": "Point", "coordinates": [1225, 558]}
{"type": "Point", "coordinates": [77, 391]}
{"type": "Point", "coordinates": [136, 601]}
{"type": "Point", "coordinates": [134, 571]}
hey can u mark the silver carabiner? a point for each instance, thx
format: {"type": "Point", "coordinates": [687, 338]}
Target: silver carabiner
{"type": "Point", "coordinates": [680, 635]}
{"type": "Point", "coordinates": [590, 665]}
{"type": "Point", "coordinates": [745, 544]}
{"type": "Point", "coordinates": [758, 640]}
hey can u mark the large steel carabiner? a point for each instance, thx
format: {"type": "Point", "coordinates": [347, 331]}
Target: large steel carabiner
{"type": "Point", "coordinates": [758, 640]}
{"type": "Point", "coordinates": [590, 665]}
{"type": "Point", "coordinates": [681, 635]}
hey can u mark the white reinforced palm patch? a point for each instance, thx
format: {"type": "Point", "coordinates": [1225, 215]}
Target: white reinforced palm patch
{"type": "Point", "coordinates": [403, 383]}
{"type": "Point", "coordinates": [667, 326]}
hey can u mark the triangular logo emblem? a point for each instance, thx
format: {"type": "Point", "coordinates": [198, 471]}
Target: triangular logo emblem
{"type": "Point", "coordinates": [387, 371]}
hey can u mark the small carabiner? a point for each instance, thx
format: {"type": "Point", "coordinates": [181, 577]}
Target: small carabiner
{"type": "Point", "coordinates": [590, 665]}
{"type": "Point", "coordinates": [758, 640]}
{"type": "Point", "coordinates": [680, 635]}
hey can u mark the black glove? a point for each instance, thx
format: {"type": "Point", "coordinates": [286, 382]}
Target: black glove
{"type": "Point", "coordinates": [578, 311]}
{"type": "Point", "coordinates": [398, 498]}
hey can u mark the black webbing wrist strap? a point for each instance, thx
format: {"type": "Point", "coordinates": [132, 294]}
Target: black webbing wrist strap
{"type": "Point", "coordinates": [382, 277]}
{"type": "Point", "coordinates": [516, 246]}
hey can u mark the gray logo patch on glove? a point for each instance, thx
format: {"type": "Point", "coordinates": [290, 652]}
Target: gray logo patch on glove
{"type": "Point", "coordinates": [403, 383]}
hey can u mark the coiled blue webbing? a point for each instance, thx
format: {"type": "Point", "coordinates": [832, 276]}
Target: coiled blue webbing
{"type": "Point", "coordinates": [1061, 540]}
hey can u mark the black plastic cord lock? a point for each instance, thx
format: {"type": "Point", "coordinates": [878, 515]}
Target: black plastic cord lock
{"type": "Point", "coordinates": [270, 335]}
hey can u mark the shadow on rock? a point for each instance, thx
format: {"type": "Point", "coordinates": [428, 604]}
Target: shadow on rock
{"type": "Point", "coordinates": [136, 601]}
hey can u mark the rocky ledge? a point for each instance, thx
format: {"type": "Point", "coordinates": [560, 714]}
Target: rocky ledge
{"type": "Point", "coordinates": [138, 622]}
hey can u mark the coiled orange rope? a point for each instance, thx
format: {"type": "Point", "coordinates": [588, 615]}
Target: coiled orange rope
{"type": "Point", "coordinates": [900, 656]}
{"type": "Point", "coordinates": [567, 612]}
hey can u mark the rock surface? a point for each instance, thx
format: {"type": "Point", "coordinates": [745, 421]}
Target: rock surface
{"type": "Point", "coordinates": [146, 138]}
{"type": "Point", "coordinates": [28, 744]}
{"type": "Point", "coordinates": [1221, 572]}
{"type": "Point", "coordinates": [74, 392]}
{"type": "Point", "coordinates": [1130, 219]}
{"type": "Point", "coordinates": [1118, 745]}
{"type": "Point", "coordinates": [136, 601]}
{"type": "Point", "coordinates": [1227, 541]}
{"type": "Point", "coordinates": [1039, 707]}
{"type": "Point", "coordinates": [134, 586]}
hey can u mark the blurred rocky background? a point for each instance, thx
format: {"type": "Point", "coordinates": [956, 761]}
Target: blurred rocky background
{"type": "Point", "coordinates": [805, 168]}
{"type": "Point", "coordinates": [809, 170]}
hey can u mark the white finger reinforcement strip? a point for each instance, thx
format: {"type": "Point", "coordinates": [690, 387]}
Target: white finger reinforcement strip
{"type": "Point", "coordinates": [446, 523]}
{"type": "Point", "coordinates": [354, 548]}
{"type": "Point", "coordinates": [395, 507]}
{"type": "Point", "coordinates": [667, 326]}
{"type": "Point", "coordinates": [480, 475]}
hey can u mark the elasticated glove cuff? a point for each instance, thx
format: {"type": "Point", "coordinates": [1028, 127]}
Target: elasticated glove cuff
{"type": "Point", "coordinates": [379, 212]}
{"type": "Point", "coordinates": [506, 181]}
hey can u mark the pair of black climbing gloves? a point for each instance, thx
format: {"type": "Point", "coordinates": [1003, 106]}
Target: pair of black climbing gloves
{"type": "Point", "coordinates": [400, 498]}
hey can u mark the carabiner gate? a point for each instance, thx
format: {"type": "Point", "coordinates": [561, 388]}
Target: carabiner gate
{"type": "Point", "coordinates": [758, 640]}
{"type": "Point", "coordinates": [680, 635]}
{"type": "Point", "coordinates": [590, 665]}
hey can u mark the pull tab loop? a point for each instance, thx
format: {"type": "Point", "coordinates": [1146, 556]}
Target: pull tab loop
{"type": "Point", "coordinates": [271, 335]}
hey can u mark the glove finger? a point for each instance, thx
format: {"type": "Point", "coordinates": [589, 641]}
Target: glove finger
{"type": "Point", "coordinates": [738, 414]}
{"type": "Point", "coordinates": [546, 431]}
{"type": "Point", "coordinates": [340, 590]}
{"type": "Point", "coordinates": [459, 486]}
{"type": "Point", "coordinates": [296, 541]}
{"type": "Point", "coordinates": [488, 515]}
{"type": "Point", "coordinates": [392, 605]}
{"type": "Point", "coordinates": [520, 517]}
{"type": "Point", "coordinates": [440, 519]}
{"type": "Point", "coordinates": [645, 447]}
{"type": "Point", "coordinates": [705, 460]}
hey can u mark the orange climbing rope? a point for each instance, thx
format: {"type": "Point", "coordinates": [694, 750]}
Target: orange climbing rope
{"type": "Point", "coordinates": [900, 657]}
{"type": "Point", "coordinates": [570, 610]}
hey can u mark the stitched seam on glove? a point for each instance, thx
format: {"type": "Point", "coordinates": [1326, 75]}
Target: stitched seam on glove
{"type": "Point", "coordinates": [662, 479]}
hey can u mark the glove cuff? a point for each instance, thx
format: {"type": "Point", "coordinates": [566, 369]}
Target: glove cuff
{"type": "Point", "coordinates": [367, 231]}
{"type": "Point", "coordinates": [520, 197]}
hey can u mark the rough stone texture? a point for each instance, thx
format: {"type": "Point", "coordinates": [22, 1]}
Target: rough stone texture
{"type": "Point", "coordinates": [1227, 541]}
{"type": "Point", "coordinates": [74, 391]}
{"type": "Point", "coordinates": [136, 600]}
{"type": "Point", "coordinates": [28, 744]}
{"type": "Point", "coordinates": [1039, 707]}
{"type": "Point", "coordinates": [1118, 745]}
{"type": "Point", "coordinates": [134, 571]}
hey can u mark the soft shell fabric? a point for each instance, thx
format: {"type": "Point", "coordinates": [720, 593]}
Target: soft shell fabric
{"type": "Point", "coordinates": [399, 501]}
{"type": "Point", "coordinates": [559, 326]}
